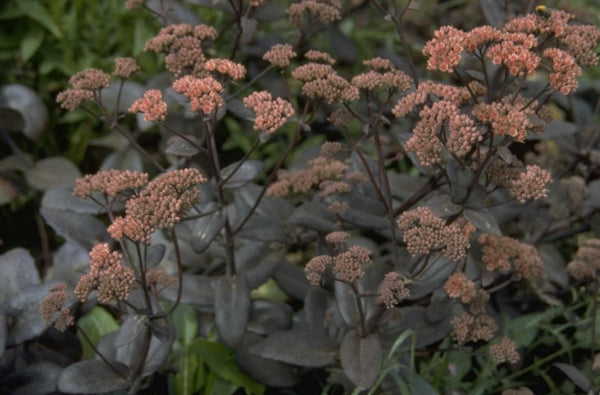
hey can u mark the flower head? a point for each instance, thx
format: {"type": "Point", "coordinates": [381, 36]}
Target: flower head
{"type": "Point", "coordinates": [125, 67]}
{"type": "Point", "coordinates": [151, 105]}
{"type": "Point", "coordinates": [271, 114]}
{"type": "Point", "coordinates": [280, 55]}
{"type": "Point", "coordinates": [204, 94]}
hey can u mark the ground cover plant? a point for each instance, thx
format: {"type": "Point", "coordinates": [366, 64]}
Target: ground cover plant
{"type": "Point", "coordinates": [310, 197]}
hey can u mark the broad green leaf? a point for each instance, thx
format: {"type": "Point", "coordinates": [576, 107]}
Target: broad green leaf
{"type": "Point", "coordinates": [36, 11]}
{"type": "Point", "coordinates": [96, 323]}
{"type": "Point", "coordinates": [220, 360]}
{"type": "Point", "coordinates": [185, 320]}
{"type": "Point", "coordinates": [31, 43]}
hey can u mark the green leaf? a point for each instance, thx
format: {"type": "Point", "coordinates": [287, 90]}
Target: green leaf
{"type": "Point", "coordinates": [96, 323]}
{"type": "Point", "coordinates": [31, 43]}
{"type": "Point", "coordinates": [185, 320]}
{"type": "Point", "coordinates": [36, 11]}
{"type": "Point", "coordinates": [191, 375]}
{"type": "Point", "coordinates": [221, 360]}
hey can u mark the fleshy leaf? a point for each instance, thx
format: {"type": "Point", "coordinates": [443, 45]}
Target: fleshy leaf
{"type": "Point", "coordinates": [244, 174]}
{"type": "Point", "coordinates": [52, 172]}
{"type": "Point", "coordinates": [91, 377]}
{"type": "Point", "coordinates": [577, 376]}
{"type": "Point", "coordinates": [361, 358]}
{"type": "Point", "coordinates": [232, 308]}
{"type": "Point", "coordinates": [298, 348]}
{"type": "Point", "coordinates": [483, 220]}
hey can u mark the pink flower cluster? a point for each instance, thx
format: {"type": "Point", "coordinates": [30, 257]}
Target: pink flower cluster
{"type": "Point", "coordinates": [393, 290]}
{"type": "Point", "coordinates": [445, 49]}
{"type": "Point", "coordinates": [314, 11]}
{"type": "Point", "coordinates": [382, 73]}
{"type": "Point", "coordinates": [158, 206]}
{"type": "Point", "coordinates": [125, 67]}
{"type": "Point", "coordinates": [424, 233]}
{"type": "Point", "coordinates": [280, 55]}
{"type": "Point", "coordinates": [346, 266]}
{"type": "Point", "coordinates": [504, 118]}
{"type": "Point", "coordinates": [225, 67]}
{"type": "Point", "coordinates": [109, 182]}
{"type": "Point", "coordinates": [421, 95]}
{"type": "Point", "coordinates": [458, 286]}
{"type": "Point", "coordinates": [107, 275]}
{"type": "Point", "coordinates": [152, 105]}
{"type": "Point", "coordinates": [505, 351]}
{"type": "Point", "coordinates": [515, 53]}
{"type": "Point", "coordinates": [183, 45]}
{"type": "Point", "coordinates": [85, 83]}
{"type": "Point", "coordinates": [204, 94]}
{"type": "Point", "coordinates": [322, 168]}
{"type": "Point", "coordinates": [587, 261]}
{"type": "Point", "coordinates": [271, 114]}
{"type": "Point", "coordinates": [53, 307]}
{"type": "Point", "coordinates": [473, 328]}
{"type": "Point", "coordinates": [564, 72]}
{"type": "Point", "coordinates": [322, 81]}
{"type": "Point", "coordinates": [506, 253]}
{"type": "Point", "coordinates": [530, 184]}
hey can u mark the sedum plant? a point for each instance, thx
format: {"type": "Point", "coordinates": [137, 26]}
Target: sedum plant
{"type": "Point", "coordinates": [403, 222]}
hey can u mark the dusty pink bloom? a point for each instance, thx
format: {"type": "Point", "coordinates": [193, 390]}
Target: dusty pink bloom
{"type": "Point", "coordinates": [424, 232]}
{"type": "Point", "coordinates": [333, 89]}
{"type": "Point", "coordinates": [478, 303]}
{"type": "Point", "coordinates": [107, 275]}
{"type": "Point", "coordinates": [338, 207]}
{"type": "Point", "coordinates": [319, 56]}
{"type": "Point", "coordinates": [160, 205]}
{"type": "Point", "coordinates": [312, 71]}
{"type": "Point", "coordinates": [580, 41]}
{"type": "Point", "coordinates": [468, 328]}
{"type": "Point", "coordinates": [151, 105]}
{"type": "Point", "coordinates": [71, 99]}
{"type": "Point", "coordinates": [53, 307]}
{"type": "Point", "coordinates": [514, 52]}
{"type": "Point", "coordinates": [271, 114]}
{"type": "Point", "coordinates": [505, 351]}
{"type": "Point", "coordinates": [330, 148]}
{"type": "Point", "coordinates": [531, 185]}
{"type": "Point", "coordinates": [501, 252]}
{"type": "Point", "coordinates": [419, 97]}
{"type": "Point", "coordinates": [480, 36]}
{"type": "Point", "coordinates": [125, 67]}
{"type": "Point", "coordinates": [183, 45]}
{"type": "Point", "coordinates": [90, 79]}
{"type": "Point", "coordinates": [204, 94]}
{"type": "Point", "coordinates": [463, 134]}
{"type": "Point", "coordinates": [587, 260]}
{"type": "Point", "coordinates": [356, 178]}
{"type": "Point", "coordinates": [445, 49]}
{"type": "Point", "coordinates": [379, 63]}
{"type": "Point", "coordinates": [313, 11]}
{"type": "Point", "coordinates": [425, 142]}
{"type": "Point", "coordinates": [565, 71]}
{"type": "Point", "coordinates": [348, 265]}
{"type": "Point", "coordinates": [337, 237]}
{"type": "Point", "coordinates": [581, 270]}
{"type": "Point", "coordinates": [280, 55]}
{"type": "Point", "coordinates": [158, 279]}
{"type": "Point", "coordinates": [504, 118]}
{"type": "Point", "coordinates": [316, 267]}
{"type": "Point", "coordinates": [109, 182]}
{"type": "Point", "coordinates": [459, 286]}
{"type": "Point", "coordinates": [393, 290]}
{"type": "Point", "coordinates": [327, 168]}
{"type": "Point", "coordinates": [329, 187]}
{"type": "Point", "coordinates": [554, 25]}
{"type": "Point", "coordinates": [226, 67]}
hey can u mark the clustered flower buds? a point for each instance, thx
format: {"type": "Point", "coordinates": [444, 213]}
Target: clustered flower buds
{"type": "Point", "coordinates": [505, 351]}
{"type": "Point", "coordinates": [271, 114]}
{"type": "Point", "coordinates": [280, 55]}
{"type": "Point", "coordinates": [53, 307]}
{"type": "Point", "coordinates": [85, 83]}
{"type": "Point", "coordinates": [506, 253]}
{"type": "Point", "coordinates": [107, 275]}
{"type": "Point", "coordinates": [151, 105]}
{"type": "Point", "coordinates": [321, 81]}
{"type": "Point", "coordinates": [183, 45]}
{"type": "Point", "coordinates": [459, 286]}
{"type": "Point", "coordinates": [125, 67]}
{"type": "Point", "coordinates": [473, 328]}
{"type": "Point", "coordinates": [204, 94]}
{"type": "Point", "coordinates": [160, 205]}
{"type": "Point", "coordinates": [314, 11]}
{"type": "Point", "coordinates": [587, 261]}
{"type": "Point", "coordinates": [109, 182]}
{"type": "Point", "coordinates": [424, 232]}
{"type": "Point", "coordinates": [528, 185]}
{"type": "Point", "coordinates": [393, 290]}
